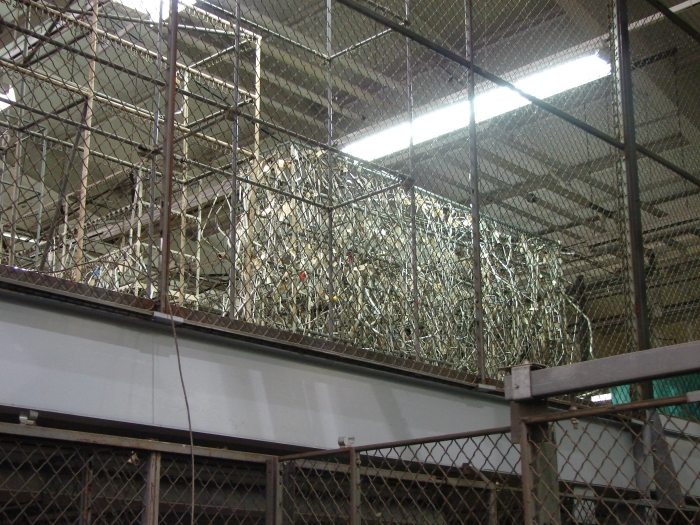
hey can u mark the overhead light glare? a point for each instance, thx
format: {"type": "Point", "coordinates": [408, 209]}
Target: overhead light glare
{"type": "Point", "coordinates": [488, 105]}
{"type": "Point", "coordinates": [8, 95]}
{"type": "Point", "coordinates": [152, 7]}
{"type": "Point", "coordinates": [602, 398]}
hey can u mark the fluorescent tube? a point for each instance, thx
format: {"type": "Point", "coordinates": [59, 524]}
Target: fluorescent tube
{"type": "Point", "coordinates": [9, 95]}
{"type": "Point", "coordinates": [152, 7]}
{"type": "Point", "coordinates": [490, 104]}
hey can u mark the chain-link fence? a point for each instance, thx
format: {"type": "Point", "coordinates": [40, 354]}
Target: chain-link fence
{"type": "Point", "coordinates": [462, 478]}
{"type": "Point", "coordinates": [55, 476]}
{"type": "Point", "coordinates": [631, 463]}
{"type": "Point", "coordinates": [336, 170]}
{"type": "Point", "coordinates": [636, 463]}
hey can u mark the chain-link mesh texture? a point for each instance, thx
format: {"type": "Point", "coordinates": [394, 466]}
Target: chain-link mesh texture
{"type": "Point", "coordinates": [466, 480]}
{"type": "Point", "coordinates": [631, 466]}
{"type": "Point", "coordinates": [44, 480]}
{"type": "Point", "coordinates": [325, 175]}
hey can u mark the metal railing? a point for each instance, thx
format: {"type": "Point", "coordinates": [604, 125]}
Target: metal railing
{"type": "Point", "coordinates": [59, 476]}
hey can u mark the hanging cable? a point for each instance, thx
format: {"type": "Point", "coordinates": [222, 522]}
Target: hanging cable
{"type": "Point", "coordinates": [187, 406]}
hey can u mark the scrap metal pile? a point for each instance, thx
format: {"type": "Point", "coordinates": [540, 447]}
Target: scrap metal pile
{"type": "Point", "coordinates": [283, 244]}
{"type": "Point", "coordinates": [282, 272]}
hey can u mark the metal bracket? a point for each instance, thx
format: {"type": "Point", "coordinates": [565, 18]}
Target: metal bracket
{"type": "Point", "coordinates": [230, 114]}
{"type": "Point", "coordinates": [28, 418]}
{"type": "Point", "coordinates": [518, 385]}
{"type": "Point", "coordinates": [164, 318]}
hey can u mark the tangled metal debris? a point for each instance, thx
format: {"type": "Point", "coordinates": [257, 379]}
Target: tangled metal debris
{"type": "Point", "coordinates": [283, 246]}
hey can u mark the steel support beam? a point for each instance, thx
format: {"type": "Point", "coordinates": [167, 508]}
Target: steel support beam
{"type": "Point", "coordinates": [168, 160]}
{"type": "Point", "coordinates": [635, 242]}
{"type": "Point", "coordinates": [475, 213]}
{"type": "Point", "coordinates": [670, 13]}
{"type": "Point", "coordinates": [151, 490]}
{"type": "Point", "coordinates": [527, 383]}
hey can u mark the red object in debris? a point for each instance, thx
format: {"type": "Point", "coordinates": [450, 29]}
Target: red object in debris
{"type": "Point", "coordinates": [302, 276]}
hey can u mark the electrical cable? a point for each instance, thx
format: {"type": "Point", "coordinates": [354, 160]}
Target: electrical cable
{"type": "Point", "coordinates": [187, 406]}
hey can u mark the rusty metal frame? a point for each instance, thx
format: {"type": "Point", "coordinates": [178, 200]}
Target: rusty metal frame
{"type": "Point", "coordinates": [88, 438]}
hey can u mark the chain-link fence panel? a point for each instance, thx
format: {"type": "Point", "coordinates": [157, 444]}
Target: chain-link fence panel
{"type": "Point", "coordinates": [666, 123]}
{"type": "Point", "coordinates": [463, 478]}
{"type": "Point", "coordinates": [223, 491]}
{"type": "Point", "coordinates": [559, 261]}
{"type": "Point", "coordinates": [557, 51]}
{"type": "Point", "coordinates": [60, 476]}
{"type": "Point", "coordinates": [664, 61]}
{"type": "Point", "coordinates": [628, 464]}
{"type": "Point", "coordinates": [82, 95]}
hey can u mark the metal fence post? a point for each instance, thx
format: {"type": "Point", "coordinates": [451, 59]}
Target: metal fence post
{"type": "Point", "coordinates": [635, 244]}
{"type": "Point", "coordinates": [287, 495]}
{"type": "Point", "coordinates": [234, 166]}
{"type": "Point", "coordinates": [493, 506]}
{"type": "Point", "coordinates": [538, 462]}
{"type": "Point", "coordinates": [151, 491]}
{"type": "Point", "coordinates": [272, 493]}
{"type": "Point", "coordinates": [152, 153]}
{"type": "Point", "coordinates": [354, 513]}
{"type": "Point", "coordinates": [86, 492]}
{"type": "Point", "coordinates": [85, 154]}
{"type": "Point", "coordinates": [414, 250]}
{"type": "Point", "coordinates": [329, 175]}
{"type": "Point", "coordinates": [475, 215]}
{"type": "Point", "coordinates": [168, 160]}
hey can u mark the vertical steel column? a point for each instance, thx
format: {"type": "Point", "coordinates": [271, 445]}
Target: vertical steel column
{"type": "Point", "coordinates": [185, 112]}
{"type": "Point", "coordinates": [538, 460]}
{"type": "Point", "coordinates": [86, 492]}
{"type": "Point", "coordinates": [474, 180]}
{"type": "Point", "coordinates": [635, 245]}
{"type": "Point", "coordinates": [85, 153]}
{"type": "Point", "coordinates": [3, 161]}
{"type": "Point", "coordinates": [272, 497]}
{"type": "Point", "coordinates": [168, 160]}
{"type": "Point", "coordinates": [354, 513]}
{"type": "Point", "coordinates": [329, 173]}
{"type": "Point", "coordinates": [151, 491]}
{"type": "Point", "coordinates": [42, 189]}
{"type": "Point", "coordinates": [153, 154]}
{"type": "Point", "coordinates": [135, 242]}
{"type": "Point", "coordinates": [16, 182]}
{"type": "Point", "coordinates": [414, 250]}
{"type": "Point", "coordinates": [233, 203]}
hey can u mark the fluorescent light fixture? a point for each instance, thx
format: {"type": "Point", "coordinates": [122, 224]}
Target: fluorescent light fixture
{"type": "Point", "coordinates": [20, 238]}
{"type": "Point", "coordinates": [8, 95]}
{"type": "Point", "coordinates": [152, 7]}
{"type": "Point", "coordinates": [601, 398]}
{"type": "Point", "coordinates": [490, 104]}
